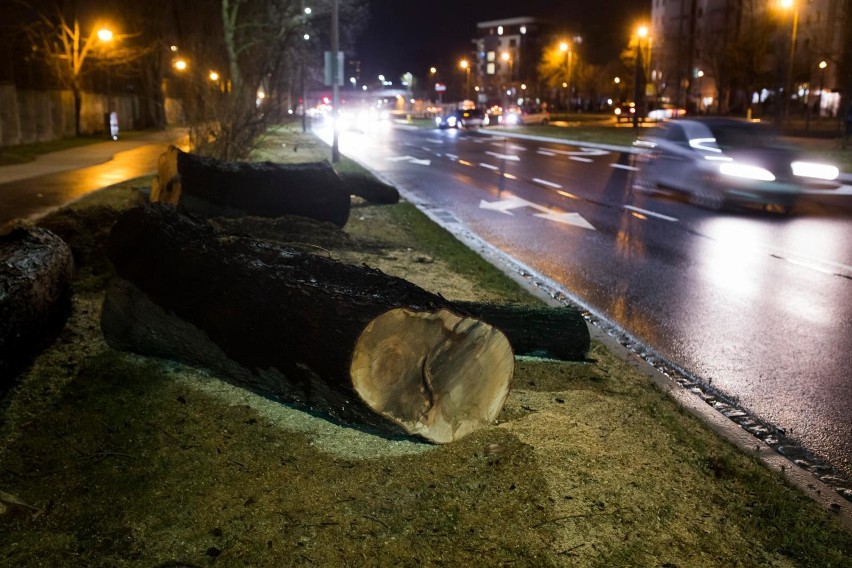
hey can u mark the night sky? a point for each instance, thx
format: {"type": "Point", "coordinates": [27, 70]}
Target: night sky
{"type": "Point", "coordinates": [412, 36]}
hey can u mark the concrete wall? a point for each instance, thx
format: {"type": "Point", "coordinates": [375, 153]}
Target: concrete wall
{"type": "Point", "coordinates": [27, 117]}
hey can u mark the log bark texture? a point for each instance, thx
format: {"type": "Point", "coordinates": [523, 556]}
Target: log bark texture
{"type": "Point", "coordinates": [36, 268]}
{"type": "Point", "coordinates": [370, 189]}
{"type": "Point", "coordinates": [352, 342]}
{"type": "Point", "coordinates": [210, 187]}
{"type": "Point", "coordinates": [557, 333]}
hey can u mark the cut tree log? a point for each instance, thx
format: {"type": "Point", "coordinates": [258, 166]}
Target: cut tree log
{"type": "Point", "coordinates": [370, 189]}
{"type": "Point", "coordinates": [210, 187]}
{"type": "Point", "coordinates": [557, 333]}
{"type": "Point", "coordinates": [36, 268]}
{"type": "Point", "coordinates": [352, 342]}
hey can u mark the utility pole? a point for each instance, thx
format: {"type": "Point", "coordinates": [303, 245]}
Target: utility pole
{"type": "Point", "coordinates": [335, 88]}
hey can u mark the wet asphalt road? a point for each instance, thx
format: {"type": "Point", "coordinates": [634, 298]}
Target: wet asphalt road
{"type": "Point", "coordinates": [758, 305]}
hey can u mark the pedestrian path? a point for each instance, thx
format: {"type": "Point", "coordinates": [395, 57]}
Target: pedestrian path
{"type": "Point", "coordinates": [84, 156]}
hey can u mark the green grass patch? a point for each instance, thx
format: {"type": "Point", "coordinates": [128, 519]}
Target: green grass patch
{"type": "Point", "coordinates": [437, 241]}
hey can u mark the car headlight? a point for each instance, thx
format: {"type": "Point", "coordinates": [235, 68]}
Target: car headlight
{"type": "Point", "coordinates": [746, 171]}
{"type": "Point", "coordinates": [816, 171]}
{"type": "Point", "coordinates": [617, 111]}
{"type": "Point", "coordinates": [452, 121]}
{"type": "Point", "coordinates": [512, 119]}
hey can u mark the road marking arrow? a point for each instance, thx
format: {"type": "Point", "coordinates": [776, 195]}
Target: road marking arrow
{"type": "Point", "coordinates": [510, 157]}
{"type": "Point", "coordinates": [567, 218]}
{"type": "Point", "coordinates": [504, 205]}
{"type": "Point", "coordinates": [411, 159]}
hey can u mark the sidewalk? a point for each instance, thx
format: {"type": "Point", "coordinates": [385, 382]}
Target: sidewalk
{"type": "Point", "coordinates": [84, 156]}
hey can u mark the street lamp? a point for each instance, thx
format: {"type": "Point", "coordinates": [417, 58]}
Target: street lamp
{"type": "Point", "coordinates": [464, 64]}
{"type": "Point", "coordinates": [790, 5]}
{"type": "Point", "coordinates": [822, 66]}
{"type": "Point", "coordinates": [106, 36]}
{"type": "Point", "coordinates": [639, 88]}
{"type": "Point", "coordinates": [700, 76]}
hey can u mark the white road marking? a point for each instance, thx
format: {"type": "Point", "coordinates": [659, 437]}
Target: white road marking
{"type": "Point", "coordinates": [452, 156]}
{"type": "Point", "coordinates": [411, 159]}
{"type": "Point", "coordinates": [580, 152]}
{"type": "Point", "coordinates": [435, 140]}
{"type": "Point", "coordinates": [488, 166]}
{"type": "Point", "coordinates": [624, 167]}
{"type": "Point", "coordinates": [547, 183]}
{"type": "Point", "coordinates": [506, 205]}
{"type": "Point", "coordinates": [545, 152]}
{"type": "Point", "coordinates": [650, 213]}
{"type": "Point", "coordinates": [579, 159]}
{"type": "Point", "coordinates": [574, 219]}
{"type": "Point", "coordinates": [510, 157]}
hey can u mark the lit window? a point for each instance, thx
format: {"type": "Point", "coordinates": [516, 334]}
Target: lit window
{"type": "Point", "coordinates": [499, 30]}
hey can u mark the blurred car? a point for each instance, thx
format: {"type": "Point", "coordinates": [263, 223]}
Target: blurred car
{"type": "Point", "coordinates": [655, 112]}
{"type": "Point", "coordinates": [718, 162]}
{"type": "Point", "coordinates": [625, 112]}
{"type": "Point", "coordinates": [465, 118]}
{"type": "Point", "coordinates": [517, 116]}
{"type": "Point", "coordinates": [664, 111]}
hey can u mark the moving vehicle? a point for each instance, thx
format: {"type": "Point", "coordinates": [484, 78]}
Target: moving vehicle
{"type": "Point", "coordinates": [718, 162]}
{"type": "Point", "coordinates": [464, 118]}
{"type": "Point", "coordinates": [516, 116]}
{"type": "Point", "coordinates": [654, 113]}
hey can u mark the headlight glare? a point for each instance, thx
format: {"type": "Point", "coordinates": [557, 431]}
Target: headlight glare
{"type": "Point", "coordinates": [746, 171]}
{"type": "Point", "coordinates": [816, 171]}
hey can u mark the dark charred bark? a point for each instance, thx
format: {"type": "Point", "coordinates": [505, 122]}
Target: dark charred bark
{"type": "Point", "coordinates": [211, 187]}
{"type": "Point", "coordinates": [370, 189]}
{"type": "Point", "coordinates": [35, 295]}
{"type": "Point", "coordinates": [557, 333]}
{"type": "Point", "coordinates": [349, 341]}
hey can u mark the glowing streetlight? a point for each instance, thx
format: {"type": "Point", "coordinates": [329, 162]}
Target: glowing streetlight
{"type": "Point", "coordinates": [213, 76]}
{"type": "Point", "coordinates": [465, 65]}
{"type": "Point", "coordinates": [181, 64]}
{"type": "Point", "coordinates": [790, 5]}
{"type": "Point", "coordinates": [104, 35]}
{"type": "Point", "coordinates": [639, 88]}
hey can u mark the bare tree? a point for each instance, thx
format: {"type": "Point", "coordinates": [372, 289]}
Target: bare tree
{"type": "Point", "coordinates": [72, 50]}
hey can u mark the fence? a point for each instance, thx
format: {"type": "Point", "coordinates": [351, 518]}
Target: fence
{"type": "Point", "coordinates": [41, 116]}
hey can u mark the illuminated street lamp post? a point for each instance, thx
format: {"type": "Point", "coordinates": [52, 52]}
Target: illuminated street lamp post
{"type": "Point", "coordinates": [106, 36]}
{"type": "Point", "coordinates": [700, 76]}
{"type": "Point", "coordinates": [465, 65]}
{"type": "Point", "coordinates": [822, 66]}
{"type": "Point", "coordinates": [566, 49]}
{"type": "Point", "coordinates": [639, 87]}
{"type": "Point", "coordinates": [790, 5]}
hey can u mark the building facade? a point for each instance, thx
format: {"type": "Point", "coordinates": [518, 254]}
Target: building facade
{"type": "Point", "coordinates": [744, 56]}
{"type": "Point", "coordinates": [507, 53]}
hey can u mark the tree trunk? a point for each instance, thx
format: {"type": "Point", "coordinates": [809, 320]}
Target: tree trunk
{"type": "Point", "coordinates": [210, 187]}
{"type": "Point", "coordinates": [370, 188]}
{"type": "Point", "coordinates": [35, 295]}
{"type": "Point", "coordinates": [350, 341]}
{"type": "Point", "coordinates": [557, 333]}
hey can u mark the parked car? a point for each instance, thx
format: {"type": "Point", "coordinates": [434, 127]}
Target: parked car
{"type": "Point", "coordinates": [465, 118]}
{"type": "Point", "coordinates": [624, 112]}
{"type": "Point", "coordinates": [718, 162]}
{"type": "Point", "coordinates": [654, 112]}
{"type": "Point", "coordinates": [516, 116]}
{"type": "Point", "coordinates": [664, 111]}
